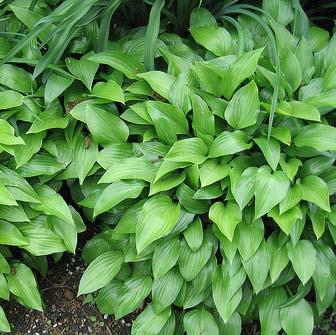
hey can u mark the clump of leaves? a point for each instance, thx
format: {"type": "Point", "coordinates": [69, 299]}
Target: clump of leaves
{"type": "Point", "coordinates": [212, 173]}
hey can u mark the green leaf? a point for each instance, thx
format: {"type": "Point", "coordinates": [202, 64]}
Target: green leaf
{"type": "Point", "coordinates": [291, 167]}
{"type": "Point", "coordinates": [282, 134]}
{"type": "Point", "coordinates": [303, 258]}
{"type": "Point", "coordinates": [85, 156]}
{"type": "Point", "coordinates": [109, 91]}
{"type": "Point", "coordinates": [15, 78]}
{"type": "Point", "coordinates": [149, 321]}
{"type": "Point", "coordinates": [10, 99]}
{"type": "Point", "coordinates": [280, 10]}
{"type": "Point", "coordinates": [55, 86]}
{"type": "Point", "coordinates": [297, 319]}
{"type": "Point", "coordinates": [191, 150]}
{"type": "Point", "coordinates": [319, 136]}
{"type": "Point", "coordinates": [22, 283]}
{"type": "Point", "coordinates": [52, 203]}
{"type": "Point", "coordinates": [228, 143]}
{"type": "Point", "coordinates": [243, 109]}
{"type": "Point", "coordinates": [248, 237]}
{"type": "Point", "coordinates": [315, 190]}
{"type": "Point", "coordinates": [211, 171]}
{"type": "Point", "coordinates": [6, 198]}
{"type": "Point", "coordinates": [200, 321]}
{"type": "Point", "coordinates": [117, 192]}
{"type": "Point", "coordinates": [100, 272]}
{"type": "Point", "coordinates": [286, 220]}
{"type": "Point", "coordinates": [167, 183]}
{"type": "Point", "coordinates": [292, 198]}
{"type": "Point", "coordinates": [100, 124]}
{"type": "Point", "coordinates": [7, 136]}
{"type": "Point", "coordinates": [190, 262]}
{"type": "Point", "coordinates": [130, 168]}
{"type": "Point", "coordinates": [226, 217]}
{"type": "Point", "coordinates": [209, 78]}
{"type": "Point", "coordinates": [165, 256]}
{"type": "Point", "coordinates": [163, 212]}
{"type": "Point", "coordinates": [4, 324]}
{"type": "Point", "coordinates": [166, 289]}
{"type": "Point", "coordinates": [215, 39]}
{"type": "Point", "coordinates": [120, 61]}
{"type": "Point", "coordinates": [83, 69]}
{"type": "Point", "coordinates": [242, 68]}
{"type": "Point", "coordinates": [159, 81]}
{"type": "Point", "coordinates": [271, 150]}
{"type": "Point", "coordinates": [257, 267]}
{"type": "Point", "coordinates": [194, 234]}
{"type": "Point", "coordinates": [10, 235]}
{"type": "Point", "coordinates": [291, 68]}
{"type": "Point", "coordinates": [270, 189]}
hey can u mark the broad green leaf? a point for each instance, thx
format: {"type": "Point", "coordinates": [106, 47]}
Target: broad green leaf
{"type": "Point", "coordinates": [52, 203]}
{"type": "Point", "coordinates": [282, 134]}
{"type": "Point", "coordinates": [270, 189]}
{"type": "Point", "coordinates": [167, 183]}
{"type": "Point", "coordinates": [13, 213]}
{"type": "Point", "coordinates": [6, 197]}
{"type": "Point", "coordinates": [297, 319]}
{"type": "Point", "coordinates": [150, 322]}
{"type": "Point", "coordinates": [100, 272]}
{"type": "Point", "coordinates": [201, 17]}
{"type": "Point", "coordinates": [242, 68]}
{"type": "Point", "coordinates": [191, 150]}
{"type": "Point", "coordinates": [165, 256]}
{"type": "Point", "coordinates": [10, 235]}
{"type": "Point", "coordinates": [10, 99]}
{"type": "Point", "coordinates": [159, 81]}
{"type": "Point", "coordinates": [226, 217]}
{"type": "Point", "coordinates": [271, 150]}
{"type": "Point", "coordinates": [233, 325]}
{"type": "Point", "coordinates": [194, 234]}
{"type": "Point", "coordinates": [315, 190]}
{"type": "Point", "coordinates": [291, 68]}
{"type": "Point", "coordinates": [305, 56]}
{"type": "Point", "coordinates": [228, 143]}
{"type": "Point", "coordinates": [209, 78]}
{"type": "Point", "coordinates": [161, 210]}
{"type": "Point", "coordinates": [303, 258]}
{"type": "Point", "coordinates": [85, 156]}
{"type": "Point", "coordinates": [280, 10]}
{"type": "Point", "coordinates": [286, 220]}
{"type": "Point", "coordinates": [117, 192]}
{"type": "Point", "coordinates": [100, 124]}
{"type": "Point", "coordinates": [190, 262]}
{"type": "Point", "coordinates": [120, 61]}
{"type": "Point", "coordinates": [257, 267]}
{"type": "Point", "coordinates": [22, 283]}
{"type": "Point", "coordinates": [242, 185]}
{"type": "Point", "coordinates": [211, 171]}
{"type": "Point", "coordinates": [242, 110]}
{"type": "Point", "coordinates": [130, 168]}
{"type": "Point", "coordinates": [292, 198]}
{"type": "Point", "coordinates": [215, 39]}
{"type": "Point", "coordinates": [290, 167]}
{"type": "Point", "coordinates": [109, 91]}
{"type": "Point", "coordinates": [114, 153]}
{"type": "Point", "coordinates": [248, 237]}
{"type": "Point", "coordinates": [166, 289]}
{"type": "Point", "coordinates": [200, 321]}
{"type": "Point", "coordinates": [83, 69]}
{"type": "Point", "coordinates": [16, 78]}
{"type": "Point", "coordinates": [319, 136]}
{"type": "Point", "coordinates": [7, 136]}
{"type": "Point", "coordinates": [4, 324]}
{"type": "Point", "coordinates": [55, 86]}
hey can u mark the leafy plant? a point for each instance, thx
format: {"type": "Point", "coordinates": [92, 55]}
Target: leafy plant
{"type": "Point", "coordinates": [207, 156]}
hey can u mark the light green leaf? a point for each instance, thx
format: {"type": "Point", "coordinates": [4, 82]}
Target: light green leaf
{"type": "Point", "coordinates": [7, 136]}
{"type": "Point", "coordinates": [226, 217]}
{"type": "Point", "coordinates": [6, 198]}
{"type": "Point", "coordinates": [55, 86]}
{"type": "Point", "coordinates": [4, 324]}
{"type": "Point", "coordinates": [271, 150]}
{"type": "Point", "coordinates": [100, 272]}
{"type": "Point", "coordinates": [211, 171]}
{"type": "Point", "coordinates": [280, 10]}
{"type": "Point", "coordinates": [117, 192]}
{"type": "Point", "coordinates": [161, 210]}
{"type": "Point", "coordinates": [303, 258]}
{"type": "Point", "coordinates": [286, 220]}
{"type": "Point", "coordinates": [242, 68]}
{"type": "Point", "coordinates": [200, 321]}
{"type": "Point", "coordinates": [315, 190]}
{"type": "Point", "coordinates": [191, 150]}
{"type": "Point", "coordinates": [319, 136]}
{"type": "Point", "coordinates": [10, 99]}
{"type": "Point", "coordinates": [242, 110]}
{"type": "Point", "coordinates": [297, 318]}
{"type": "Point", "coordinates": [109, 91]}
{"type": "Point", "coordinates": [167, 183]}
{"type": "Point", "coordinates": [16, 78]}
{"type": "Point", "coordinates": [159, 81]}
{"type": "Point", "coordinates": [292, 198]}
{"type": "Point", "coordinates": [194, 234]}
{"type": "Point", "coordinates": [228, 143]}
{"type": "Point", "coordinates": [10, 235]}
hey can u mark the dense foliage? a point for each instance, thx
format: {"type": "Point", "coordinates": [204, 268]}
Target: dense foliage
{"type": "Point", "coordinates": [203, 143]}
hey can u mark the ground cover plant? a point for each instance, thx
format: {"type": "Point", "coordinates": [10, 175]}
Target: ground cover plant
{"type": "Point", "coordinates": [200, 135]}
